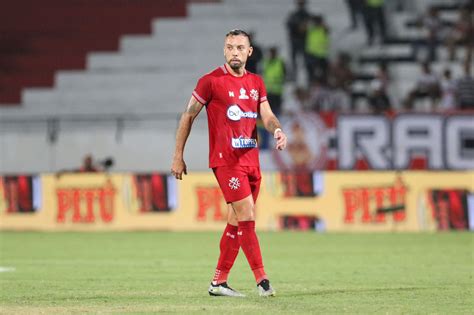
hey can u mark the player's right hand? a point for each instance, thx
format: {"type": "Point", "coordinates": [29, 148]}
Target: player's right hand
{"type": "Point", "coordinates": [281, 140]}
{"type": "Point", "coordinates": [178, 168]}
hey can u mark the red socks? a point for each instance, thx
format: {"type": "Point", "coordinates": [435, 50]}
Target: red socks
{"type": "Point", "coordinates": [232, 239]}
{"type": "Point", "coordinates": [229, 247]}
{"type": "Point", "coordinates": [249, 242]}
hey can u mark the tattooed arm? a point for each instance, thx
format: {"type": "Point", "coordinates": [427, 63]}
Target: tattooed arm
{"type": "Point", "coordinates": [178, 166]}
{"type": "Point", "coordinates": [272, 124]}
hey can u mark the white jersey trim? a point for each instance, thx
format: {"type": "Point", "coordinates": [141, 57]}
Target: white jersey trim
{"type": "Point", "coordinates": [199, 98]}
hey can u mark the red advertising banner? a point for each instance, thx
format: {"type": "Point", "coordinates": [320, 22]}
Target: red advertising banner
{"type": "Point", "coordinates": [154, 192]}
{"type": "Point", "coordinates": [20, 193]}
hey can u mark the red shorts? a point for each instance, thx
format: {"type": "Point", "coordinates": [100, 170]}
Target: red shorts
{"type": "Point", "coordinates": [237, 182]}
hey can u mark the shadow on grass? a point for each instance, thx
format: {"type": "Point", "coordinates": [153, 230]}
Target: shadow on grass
{"type": "Point", "coordinates": [325, 292]}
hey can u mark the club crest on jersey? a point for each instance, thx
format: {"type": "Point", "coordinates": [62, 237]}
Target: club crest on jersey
{"type": "Point", "coordinates": [244, 143]}
{"type": "Point", "coordinates": [235, 113]}
{"type": "Point", "coordinates": [254, 94]}
{"type": "Point", "coordinates": [243, 94]}
{"type": "Point", "coordinates": [234, 183]}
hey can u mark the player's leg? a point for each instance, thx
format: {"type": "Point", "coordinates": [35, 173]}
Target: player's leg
{"type": "Point", "coordinates": [237, 189]}
{"type": "Point", "coordinates": [245, 210]}
{"type": "Point", "coordinates": [229, 248]}
{"type": "Point", "coordinates": [247, 237]}
{"type": "Point", "coordinates": [229, 244]}
{"type": "Point", "coordinates": [255, 178]}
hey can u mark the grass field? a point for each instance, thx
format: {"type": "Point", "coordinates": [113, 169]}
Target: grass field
{"type": "Point", "coordinates": [145, 272]}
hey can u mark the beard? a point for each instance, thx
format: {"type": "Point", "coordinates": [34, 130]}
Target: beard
{"type": "Point", "coordinates": [235, 65]}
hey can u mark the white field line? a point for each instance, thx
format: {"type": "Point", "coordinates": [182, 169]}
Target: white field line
{"type": "Point", "coordinates": [6, 269]}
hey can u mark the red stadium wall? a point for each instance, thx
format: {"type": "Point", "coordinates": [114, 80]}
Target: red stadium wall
{"type": "Point", "coordinates": [37, 38]}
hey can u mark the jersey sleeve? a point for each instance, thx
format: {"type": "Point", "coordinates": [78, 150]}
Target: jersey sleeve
{"type": "Point", "coordinates": [203, 91]}
{"type": "Point", "coordinates": [262, 91]}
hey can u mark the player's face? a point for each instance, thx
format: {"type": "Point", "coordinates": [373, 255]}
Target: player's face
{"type": "Point", "coordinates": [236, 51]}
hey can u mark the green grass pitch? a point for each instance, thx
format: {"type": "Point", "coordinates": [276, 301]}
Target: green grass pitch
{"type": "Point", "coordinates": [154, 272]}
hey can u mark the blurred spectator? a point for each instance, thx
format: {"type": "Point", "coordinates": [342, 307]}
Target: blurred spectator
{"type": "Point", "coordinates": [88, 165]}
{"type": "Point", "coordinates": [378, 96]}
{"type": "Point", "coordinates": [317, 49]}
{"type": "Point", "coordinates": [427, 85]}
{"type": "Point", "coordinates": [375, 20]}
{"type": "Point", "coordinates": [296, 26]}
{"type": "Point", "coordinates": [465, 88]}
{"type": "Point", "coordinates": [435, 33]}
{"type": "Point", "coordinates": [340, 78]}
{"type": "Point", "coordinates": [400, 5]}
{"type": "Point", "coordinates": [340, 75]}
{"type": "Point", "coordinates": [462, 33]}
{"type": "Point", "coordinates": [274, 73]}
{"type": "Point", "coordinates": [320, 97]}
{"type": "Point", "coordinates": [355, 11]}
{"type": "Point", "coordinates": [253, 62]}
{"type": "Point", "coordinates": [448, 91]}
{"type": "Point", "coordinates": [298, 102]}
{"type": "Point", "coordinates": [340, 100]}
{"type": "Point", "coordinates": [298, 149]}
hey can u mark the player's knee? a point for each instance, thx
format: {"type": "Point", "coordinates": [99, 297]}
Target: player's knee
{"type": "Point", "coordinates": [232, 218]}
{"type": "Point", "coordinates": [247, 217]}
{"type": "Point", "coordinates": [245, 213]}
{"type": "Point", "coordinates": [244, 209]}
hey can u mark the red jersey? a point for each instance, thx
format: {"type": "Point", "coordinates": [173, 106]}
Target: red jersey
{"type": "Point", "coordinates": [232, 105]}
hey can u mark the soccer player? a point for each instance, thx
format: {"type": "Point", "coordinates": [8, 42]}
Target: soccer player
{"type": "Point", "coordinates": [233, 98]}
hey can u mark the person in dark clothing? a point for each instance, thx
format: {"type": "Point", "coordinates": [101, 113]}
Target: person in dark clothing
{"type": "Point", "coordinates": [355, 8]}
{"type": "Point", "coordinates": [253, 62]}
{"type": "Point", "coordinates": [296, 26]}
{"type": "Point", "coordinates": [374, 18]}
{"type": "Point", "coordinates": [378, 97]}
{"type": "Point", "coordinates": [432, 23]}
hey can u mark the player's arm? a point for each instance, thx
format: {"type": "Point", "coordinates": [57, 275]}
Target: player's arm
{"type": "Point", "coordinates": [272, 124]}
{"type": "Point", "coordinates": [193, 108]}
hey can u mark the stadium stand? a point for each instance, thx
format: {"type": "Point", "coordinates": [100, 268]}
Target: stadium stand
{"type": "Point", "coordinates": [134, 95]}
{"type": "Point", "coordinates": [40, 37]}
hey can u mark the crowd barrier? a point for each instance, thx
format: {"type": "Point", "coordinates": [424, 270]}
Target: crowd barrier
{"type": "Point", "coordinates": [334, 201]}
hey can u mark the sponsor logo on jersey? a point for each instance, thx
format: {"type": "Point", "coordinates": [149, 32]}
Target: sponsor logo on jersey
{"type": "Point", "coordinates": [235, 113]}
{"type": "Point", "coordinates": [243, 143]}
{"type": "Point", "coordinates": [254, 94]}
{"type": "Point", "coordinates": [243, 94]}
{"type": "Point", "coordinates": [234, 183]}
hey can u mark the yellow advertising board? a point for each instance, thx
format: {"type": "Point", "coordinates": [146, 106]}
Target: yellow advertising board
{"type": "Point", "coordinates": [330, 201]}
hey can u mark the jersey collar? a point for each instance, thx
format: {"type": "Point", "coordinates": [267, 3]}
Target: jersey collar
{"type": "Point", "coordinates": [227, 71]}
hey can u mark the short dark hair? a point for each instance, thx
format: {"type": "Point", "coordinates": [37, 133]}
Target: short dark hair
{"type": "Point", "coordinates": [237, 32]}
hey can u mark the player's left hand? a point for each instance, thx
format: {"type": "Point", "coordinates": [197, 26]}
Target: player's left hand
{"type": "Point", "coordinates": [280, 139]}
